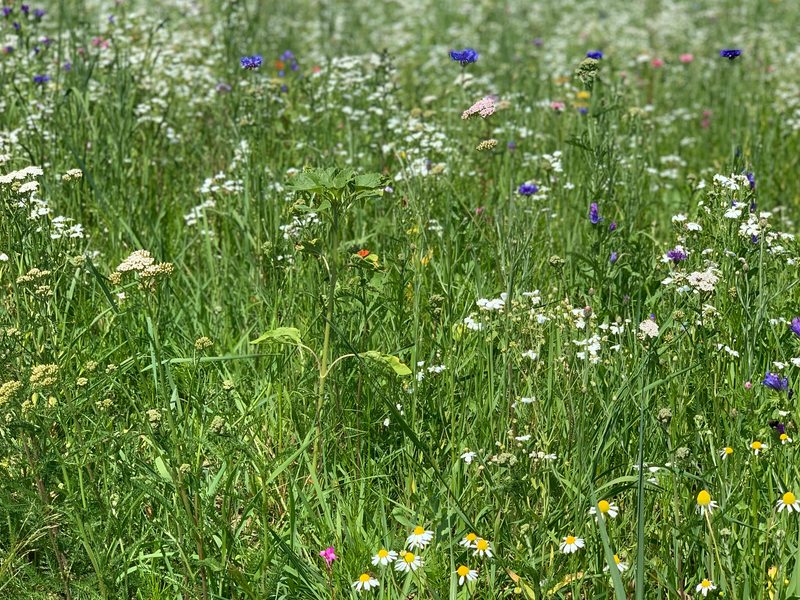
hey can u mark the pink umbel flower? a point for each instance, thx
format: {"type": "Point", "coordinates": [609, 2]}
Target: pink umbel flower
{"type": "Point", "coordinates": [329, 555]}
{"type": "Point", "coordinates": [686, 58]}
{"type": "Point", "coordinates": [557, 106]}
{"type": "Point", "coordinates": [483, 107]}
{"type": "Point", "coordinates": [657, 62]}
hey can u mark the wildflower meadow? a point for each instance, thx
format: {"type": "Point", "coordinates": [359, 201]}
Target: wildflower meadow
{"type": "Point", "coordinates": [416, 299]}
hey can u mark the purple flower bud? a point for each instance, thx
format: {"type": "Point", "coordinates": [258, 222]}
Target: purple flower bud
{"type": "Point", "coordinates": [795, 327]}
{"type": "Point", "coordinates": [594, 216]}
{"type": "Point", "coordinates": [776, 382]}
{"type": "Point", "coordinates": [613, 226]}
{"type": "Point", "coordinates": [613, 258]}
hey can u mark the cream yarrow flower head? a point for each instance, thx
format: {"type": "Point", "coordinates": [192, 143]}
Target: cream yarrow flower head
{"type": "Point", "coordinates": [705, 586]}
{"type": "Point", "coordinates": [365, 582]}
{"type": "Point", "coordinates": [408, 562]}
{"type": "Point", "coordinates": [571, 544]}
{"type": "Point", "coordinates": [419, 538]}
{"type": "Point", "coordinates": [705, 503]}
{"type": "Point", "coordinates": [466, 574]}
{"type": "Point", "coordinates": [789, 502]}
{"type": "Point", "coordinates": [482, 549]}
{"type": "Point", "coordinates": [384, 557]}
{"type": "Point", "coordinates": [604, 508]}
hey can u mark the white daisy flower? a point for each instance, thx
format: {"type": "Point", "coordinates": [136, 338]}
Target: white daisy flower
{"type": "Point", "coordinates": [606, 508]}
{"type": "Point", "coordinates": [789, 502]}
{"type": "Point", "coordinates": [469, 540]}
{"type": "Point", "coordinates": [482, 549]}
{"type": "Point", "coordinates": [468, 456]}
{"type": "Point", "coordinates": [620, 565]}
{"type": "Point", "coordinates": [384, 557]}
{"type": "Point", "coordinates": [725, 452]}
{"type": "Point", "coordinates": [785, 439]}
{"type": "Point", "coordinates": [705, 503]}
{"type": "Point", "coordinates": [758, 447]}
{"type": "Point", "coordinates": [419, 538]}
{"type": "Point", "coordinates": [705, 586]}
{"type": "Point", "coordinates": [365, 582]}
{"type": "Point", "coordinates": [466, 574]}
{"type": "Point", "coordinates": [571, 544]}
{"type": "Point", "coordinates": [408, 562]}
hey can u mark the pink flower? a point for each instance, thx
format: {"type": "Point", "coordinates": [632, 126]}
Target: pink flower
{"type": "Point", "coordinates": [329, 555]}
{"type": "Point", "coordinates": [484, 107]}
{"type": "Point", "coordinates": [657, 62]}
{"type": "Point", "coordinates": [748, 385]}
{"type": "Point", "coordinates": [623, 74]}
{"type": "Point", "coordinates": [557, 106]}
{"type": "Point", "coordinates": [686, 58]}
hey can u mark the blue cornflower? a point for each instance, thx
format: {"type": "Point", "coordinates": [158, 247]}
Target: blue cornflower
{"type": "Point", "coordinates": [594, 217]}
{"type": "Point", "coordinates": [730, 54]}
{"type": "Point", "coordinates": [583, 110]}
{"type": "Point", "coordinates": [795, 327]}
{"type": "Point", "coordinates": [111, 19]}
{"type": "Point", "coordinates": [676, 255]}
{"type": "Point", "coordinates": [465, 57]}
{"type": "Point", "coordinates": [287, 56]}
{"type": "Point", "coordinates": [24, 8]}
{"type": "Point", "coordinates": [776, 382]}
{"type": "Point", "coordinates": [528, 190]}
{"type": "Point", "coordinates": [595, 54]}
{"type": "Point", "coordinates": [38, 13]}
{"type": "Point", "coordinates": [284, 88]}
{"type": "Point", "coordinates": [281, 73]}
{"type": "Point", "coordinates": [252, 62]}
{"type": "Point", "coordinates": [512, 146]}
{"type": "Point", "coordinates": [751, 177]}
{"type": "Point", "coordinates": [41, 79]}
{"type": "Point", "coordinates": [7, 10]}
{"type": "Point", "coordinates": [612, 227]}
{"type": "Point", "coordinates": [754, 239]}
{"type": "Point", "coordinates": [67, 66]}
{"type": "Point", "coordinates": [294, 66]}
{"type": "Point", "coordinates": [538, 42]}
{"type": "Point", "coordinates": [8, 49]}
{"type": "Point", "coordinates": [17, 26]}
{"type": "Point", "coordinates": [614, 257]}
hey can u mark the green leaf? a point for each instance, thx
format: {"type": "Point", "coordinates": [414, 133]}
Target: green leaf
{"type": "Point", "coordinates": [281, 335]}
{"type": "Point", "coordinates": [162, 469]}
{"type": "Point", "coordinates": [388, 360]}
{"type": "Point", "coordinates": [369, 181]}
{"type": "Point", "coordinates": [313, 247]}
{"type": "Point", "coordinates": [342, 178]}
{"type": "Point", "coordinates": [304, 182]}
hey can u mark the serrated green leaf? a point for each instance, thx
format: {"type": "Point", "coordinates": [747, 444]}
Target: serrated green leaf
{"type": "Point", "coordinates": [388, 360]}
{"type": "Point", "coordinates": [281, 335]}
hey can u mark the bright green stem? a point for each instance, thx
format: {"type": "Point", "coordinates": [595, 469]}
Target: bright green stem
{"type": "Point", "coordinates": [333, 273]}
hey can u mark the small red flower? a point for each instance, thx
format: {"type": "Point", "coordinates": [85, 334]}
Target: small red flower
{"type": "Point", "coordinates": [363, 253]}
{"type": "Point", "coordinates": [279, 65]}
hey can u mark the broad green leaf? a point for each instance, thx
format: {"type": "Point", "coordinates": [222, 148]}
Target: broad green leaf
{"type": "Point", "coordinates": [313, 247]}
{"type": "Point", "coordinates": [162, 469]}
{"type": "Point", "coordinates": [281, 335]}
{"type": "Point", "coordinates": [303, 182]}
{"type": "Point", "coordinates": [369, 181]}
{"type": "Point", "coordinates": [388, 360]}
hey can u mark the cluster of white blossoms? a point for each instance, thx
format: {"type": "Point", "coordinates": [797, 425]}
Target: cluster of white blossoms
{"type": "Point", "coordinates": [498, 304]}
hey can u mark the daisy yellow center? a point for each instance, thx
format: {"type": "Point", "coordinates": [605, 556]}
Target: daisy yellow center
{"type": "Point", "coordinates": [703, 498]}
{"type": "Point", "coordinates": [603, 506]}
{"type": "Point", "coordinates": [463, 571]}
{"type": "Point", "coordinates": [788, 498]}
{"type": "Point", "coordinates": [706, 583]}
{"type": "Point", "coordinates": [471, 537]}
{"type": "Point", "coordinates": [728, 450]}
{"type": "Point", "coordinates": [756, 445]}
{"type": "Point", "coordinates": [482, 545]}
{"type": "Point", "coordinates": [364, 578]}
{"type": "Point", "coordinates": [383, 553]}
{"type": "Point", "coordinates": [784, 437]}
{"type": "Point", "coordinates": [409, 558]}
{"type": "Point", "coordinates": [570, 540]}
{"type": "Point", "coordinates": [419, 531]}
{"type": "Point", "coordinates": [616, 559]}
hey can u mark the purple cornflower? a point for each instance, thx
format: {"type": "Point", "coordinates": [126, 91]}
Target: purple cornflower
{"type": "Point", "coordinates": [676, 255]}
{"type": "Point", "coordinates": [329, 555]}
{"type": "Point", "coordinates": [284, 89]}
{"type": "Point", "coordinates": [538, 42]}
{"type": "Point", "coordinates": [614, 257]}
{"type": "Point", "coordinates": [17, 26]}
{"type": "Point", "coordinates": [754, 239]}
{"type": "Point", "coordinates": [465, 57]}
{"type": "Point", "coordinates": [528, 190]}
{"type": "Point", "coordinates": [751, 177]}
{"type": "Point", "coordinates": [41, 79]}
{"type": "Point", "coordinates": [730, 54]}
{"type": "Point", "coordinates": [24, 8]}
{"type": "Point", "coordinates": [294, 66]}
{"type": "Point", "coordinates": [795, 327]}
{"type": "Point", "coordinates": [67, 66]}
{"type": "Point", "coordinates": [287, 56]}
{"type": "Point", "coordinates": [38, 13]}
{"type": "Point", "coordinates": [776, 382]}
{"type": "Point", "coordinates": [583, 110]}
{"type": "Point", "coordinates": [512, 146]}
{"type": "Point", "coordinates": [281, 73]}
{"type": "Point", "coordinates": [595, 54]}
{"type": "Point", "coordinates": [7, 10]}
{"type": "Point", "coordinates": [594, 217]}
{"type": "Point", "coordinates": [252, 62]}
{"type": "Point", "coordinates": [46, 41]}
{"type": "Point", "coordinates": [111, 19]}
{"type": "Point", "coordinates": [612, 227]}
{"type": "Point", "coordinates": [222, 87]}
